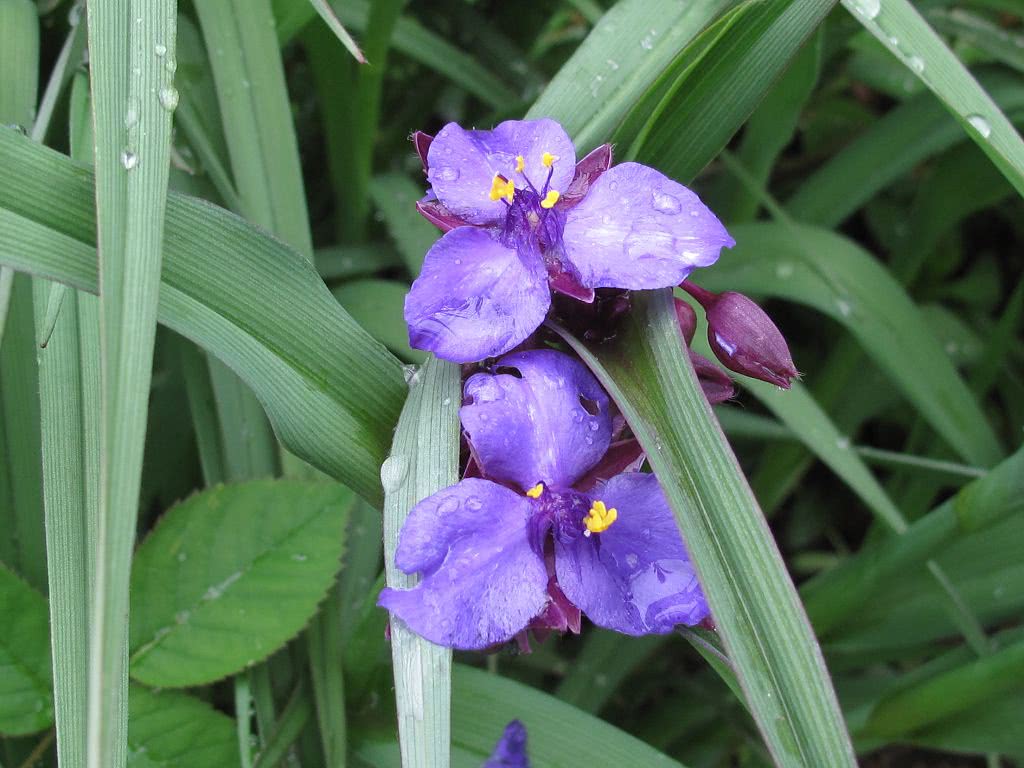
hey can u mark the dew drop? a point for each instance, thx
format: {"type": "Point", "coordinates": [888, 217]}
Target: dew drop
{"type": "Point", "coordinates": [446, 401]}
{"type": "Point", "coordinates": [916, 63]}
{"type": "Point", "coordinates": [869, 9]}
{"type": "Point", "coordinates": [169, 98]}
{"type": "Point", "coordinates": [299, 558]}
{"type": "Point", "coordinates": [843, 443]}
{"type": "Point", "coordinates": [129, 160]}
{"type": "Point", "coordinates": [844, 307]}
{"type": "Point", "coordinates": [160, 49]}
{"type": "Point", "coordinates": [632, 560]}
{"type": "Point", "coordinates": [665, 203]}
{"type": "Point", "coordinates": [182, 617]}
{"type": "Point", "coordinates": [458, 261]}
{"type": "Point", "coordinates": [784, 270]}
{"type": "Point", "coordinates": [474, 503]}
{"type": "Point", "coordinates": [447, 174]}
{"type": "Point", "coordinates": [647, 43]}
{"type": "Point", "coordinates": [613, 65]}
{"type": "Point", "coordinates": [981, 125]}
{"type": "Point", "coordinates": [448, 506]}
{"type": "Point", "coordinates": [182, 557]}
{"type": "Point", "coordinates": [594, 426]}
{"type": "Point", "coordinates": [392, 472]}
{"type": "Point", "coordinates": [411, 374]}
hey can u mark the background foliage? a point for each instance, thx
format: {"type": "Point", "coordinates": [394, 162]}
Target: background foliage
{"type": "Point", "coordinates": [864, 157]}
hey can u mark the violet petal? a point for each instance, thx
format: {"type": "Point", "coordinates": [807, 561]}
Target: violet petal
{"type": "Point", "coordinates": [549, 424]}
{"type": "Point", "coordinates": [463, 164]}
{"type": "Point", "coordinates": [638, 229]}
{"type": "Point", "coordinates": [635, 577]}
{"type": "Point", "coordinates": [510, 751]}
{"type": "Point", "coordinates": [483, 580]}
{"type": "Point", "coordinates": [475, 297]}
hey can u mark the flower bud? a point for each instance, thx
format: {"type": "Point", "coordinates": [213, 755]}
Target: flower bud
{"type": "Point", "coordinates": [715, 383]}
{"type": "Point", "coordinates": [744, 338]}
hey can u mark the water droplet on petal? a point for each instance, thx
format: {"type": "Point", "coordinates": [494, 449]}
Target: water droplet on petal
{"type": "Point", "coordinates": [981, 125]}
{"type": "Point", "coordinates": [474, 503]}
{"type": "Point", "coordinates": [129, 160]}
{"type": "Point", "coordinates": [665, 203]}
{"type": "Point", "coordinates": [447, 174]}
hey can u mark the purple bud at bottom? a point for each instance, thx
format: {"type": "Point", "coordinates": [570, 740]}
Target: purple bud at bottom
{"type": "Point", "coordinates": [744, 338]}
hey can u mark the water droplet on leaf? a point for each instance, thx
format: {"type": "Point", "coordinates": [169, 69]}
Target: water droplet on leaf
{"type": "Point", "coordinates": [981, 125]}
{"type": "Point", "coordinates": [129, 160]}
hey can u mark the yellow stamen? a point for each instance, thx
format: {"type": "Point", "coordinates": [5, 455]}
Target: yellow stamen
{"type": "Point", "coordinates": [536, 491]}
{"type": "Point", "coordinates": [547, 159]}
{"type": "Point", "coordinates": [600, 518]}
{"type": "Point", "coordinates": [520, 163]}
{"type": "Point", "coordinates": [550, 199]}
{"type": "Point", "coordinates": [502, 188]}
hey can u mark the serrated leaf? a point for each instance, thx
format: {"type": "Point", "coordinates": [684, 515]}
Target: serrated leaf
{"type": "Point", "coordinates": [170, 729]}
{"type": "Point", "coordinates": [229, 575]}
{"type": "Point", "coordinates": [26, 704]}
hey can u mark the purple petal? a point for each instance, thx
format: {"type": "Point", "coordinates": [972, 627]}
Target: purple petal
{"type": "Point", "coordinates": [462, 164]}
{"type": "Point", "coordinates": [638, 229]}
{"type": "Point", "coordinates": [483, 581]}
{"type": "Point", "coordinates": [475, 298]}
{"type": "Point", "coordinates": [510, 751]}
{"type": "Point", "coordinates": [636, 576]}
{"type": "Point", "coordinates": [550, 423]}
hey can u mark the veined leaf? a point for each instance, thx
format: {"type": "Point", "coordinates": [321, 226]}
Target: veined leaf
{"type": "Point", "coordinates": [26, 703]}
{"type": "Point", "coordinates": [231, 574]}
{"type": "Point", "coordinates": [170, 728]}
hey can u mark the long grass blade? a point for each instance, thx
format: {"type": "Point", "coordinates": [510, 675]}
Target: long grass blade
{"type": "Point", "coordinates": [424, 459]}
{"type": "Point", "coordinates": [133, 95]}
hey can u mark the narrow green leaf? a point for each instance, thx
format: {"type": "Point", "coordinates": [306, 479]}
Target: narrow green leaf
{"type": "Point", "coordinates": [331, 20]}
{"type": "Point", "coordinates": [133, 96]}
{"type": "Point", "coordinates": [324, 644]}
{"type": "Point", "coordinates": [620, 59]}
{"type": "Point", "coordinates": [244, 296]}
{"type": "Point", "coordinates": [296, 714]}
{"type": "Point", "coordinates": [230, 575]}
{"type": "Point", "coordinates": [705, 106]}
{"type": "Point", "coordinates": [899, 27]}
{"type": "Point", "coordinates": [170, 728]}
{"type": "Point", "coordinates": [759, 616]}
{"type": "Point", "coordinates": [19, 61]}
{"type": "Point", "coordinates": [1001, 44]}
{"type": "Point", "coordinates": [395, 196]}
{"type": "Point", "coordinates": [897, 142]}
{"type": "Point", "coordinates": [377, 306]}
{"type": "Point", "coordinates": [424, 459]}
{"type": "Point", "coordinates": [856, 291]}
{"type": "Point", "coordinates": [483, 704]}
{"type": "Point", "coordinates": [26, 703]}
{"type": "Point", "coordinates": [839, 594]}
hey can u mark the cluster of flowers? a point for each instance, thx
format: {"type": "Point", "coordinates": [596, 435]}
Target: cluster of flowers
{"type": "Point", "coordinates": [553, 517]}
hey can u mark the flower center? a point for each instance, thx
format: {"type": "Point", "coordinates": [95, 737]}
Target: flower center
{"type": "Point", "coordinates": [599, 518]}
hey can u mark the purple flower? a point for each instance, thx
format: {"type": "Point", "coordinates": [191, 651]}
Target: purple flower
{"type": "Point", "coordinates": [510, 751]}
{"type": "Point", "coordinates": [522, 214]}
{"type": "Point", "coordinates": [498, 559]}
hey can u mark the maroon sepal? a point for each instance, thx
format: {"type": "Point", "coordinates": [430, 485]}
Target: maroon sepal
{"type": "Point", "coordinates": [564, 281]}
{"type": "Point", "coordinates": [715, 383]}
{"type": "Point", "coordinates": [623, 456]}
{"type": "Point", "coordinates": [687, 318]}
{"type": "Point", "coordinates": [588, 169]}
{"type": "Point", "coordinates": [438, 215]}
{"type": "Point", "coordinates": [421, 141]}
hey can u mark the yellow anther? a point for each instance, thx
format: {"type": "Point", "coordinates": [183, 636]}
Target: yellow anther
{"type": "Point", "coordinates": [600, 518]}
{"type": "Point", "coordinates": [547, 159]}
{"type": "Point", "coordinates": [502, 188]}
{"type": "Point", "coordinates": [536, 491]}
{"type": "Point", "coordinates": [520, 163]}
{"type": "Point", "coordinates": [550, 199]}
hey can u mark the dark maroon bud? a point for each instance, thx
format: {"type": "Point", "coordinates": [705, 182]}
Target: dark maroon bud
{"type": "Point", "coordinates": [687, 318]}
{"type": "Point", "coordinates": [421, 141]}
{"type": "Point", "coordinates": [744, 338]}
{"type": "Point", "coordinates": [714, 382]}
{"type": "Point", "coordinates": [438, 215]}
{"type": "Point", "coordinates": [588, 169]}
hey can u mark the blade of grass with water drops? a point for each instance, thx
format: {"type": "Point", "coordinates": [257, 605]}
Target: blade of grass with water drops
{"type": "Point", "coordinates": [424, 459]}
{"type": "Point", "coordinates": [133, 95]}
{"type": "Point", "coordinates": [902, 29]}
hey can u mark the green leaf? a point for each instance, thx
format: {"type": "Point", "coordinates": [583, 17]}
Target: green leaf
{"type": "Point", "coordinates": [377, 306]}
{"type": "Point", "coordinates": [395, 196]}
{"type": "Point", "coordinates": [26, 703]}
{"type": "Point", "coordinates": [331, 20]}
{"type": "Point", "coordinates": [783, 261]}
{"type": "Point", "coordinates": [244, 296]}
{"type": "Point", "coordinates": [620, 59]}
{"type": "Point", "coordinates": [484, 703]}
{"type": "Point", "coordinates": [231, 574]}
{"type": "Point", "coordinates": [758, 613]}
{"type": "Point", "coordinates": [170, 728]}
{"type": "Point", "coordinates": [424, 459]}
{"type": "Point", "coordinates": [896, 143]}
{"type": "Point", "coordinates": [901, 29]}
{"type": "Point", "coordinates": [707, 104]}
